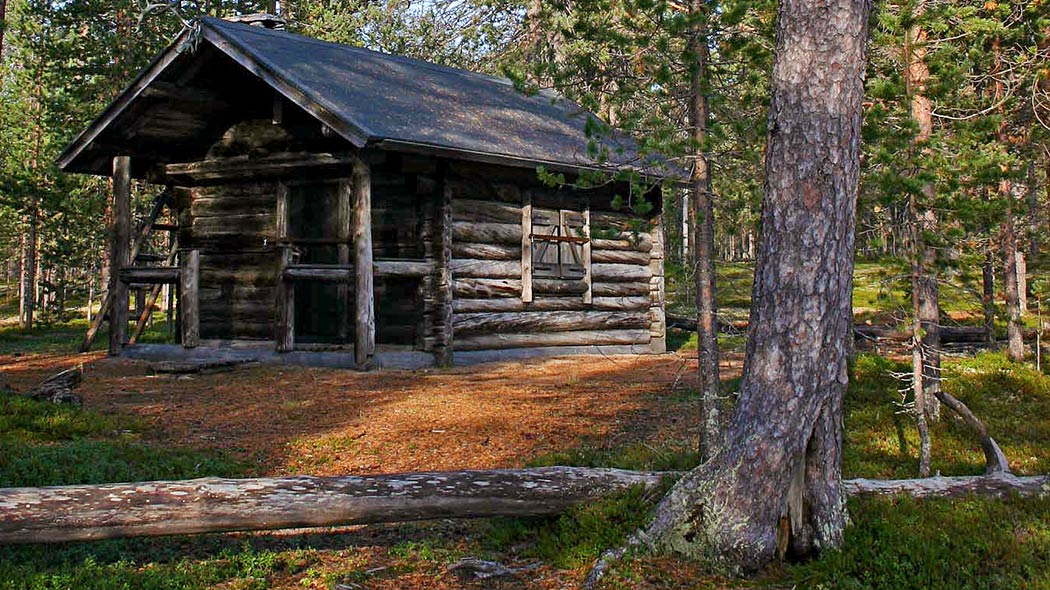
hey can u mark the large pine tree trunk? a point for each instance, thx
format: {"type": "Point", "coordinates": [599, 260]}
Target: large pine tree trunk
{"type": "Point", "coordinates": [703, 219]}
{"type": "Point", "coordinates": [776, 483]}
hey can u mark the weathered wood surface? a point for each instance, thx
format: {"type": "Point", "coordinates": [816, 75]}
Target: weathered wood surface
{"type": "Point", "coordinates": [58, 388]}
{"type": "Point", "coordinates": [560, 286]}
{"type": "Point", "coordinates": [189, 302]}
{"type": "Point", "coordinates": [155, 292]}
{"type": "Point", "coordinates": [1001, 485]}
{"type": "Point", "coordinates": [107, 300]}
{"type": "Point", "coordinates": [120, 253]}
{"type": "Point", "coordinates": [620, 256]}
{"type": "Point", "coordinates": [444, 285]}
{"type": "Point", "coordinates": [91, 512]}
{"type": "Point", "coordinates": [488, 233]}
{"type": "Point", "coordinates": [481, 288]}
{"type": "Point", "coordinates": [364, 295]}
{"type": "Point", "coordinates": [568, 338]}
{"type": "Point", "coordinates": [471, 324]}
{"type": "Point", "coordinates": [527, 294]}
{"type": "Point", "coordinates": [239, 167]}
{"type": "Point", "coordinates": [284, 310]}
{"type": "Point", "coordinates": [488, 269]}
{"type": "Point", "coordinates": [633, 289]}
{"type": "Point", "coordinates": [485, 251]}
{"type": "Point", "coordinates": [551, 304]}
{"type": "Point", "coordinates": [620, 273]}
{"type": "Point", "coordinates": [475, 211]}
{"type": "Point", "coordinates": [150, 275]}
{"type": "Point", "coordinates": [642, 242]}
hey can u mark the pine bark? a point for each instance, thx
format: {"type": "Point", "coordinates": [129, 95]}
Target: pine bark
{"type": "Point", "coordinates": [704, 230]}
{"type": "Point", "coordinates": [776, 483]}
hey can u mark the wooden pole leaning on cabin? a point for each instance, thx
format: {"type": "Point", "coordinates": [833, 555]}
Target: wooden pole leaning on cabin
{"type": "Point", "coordinates": [364, 296]}
{"type": "Point", "coordinates": [189, 297]}
{"type": "Point", "coordinates": [120, 253]}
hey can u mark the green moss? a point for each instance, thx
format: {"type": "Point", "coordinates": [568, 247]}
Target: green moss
{"type": "Point", "coordinates": [952, 544]}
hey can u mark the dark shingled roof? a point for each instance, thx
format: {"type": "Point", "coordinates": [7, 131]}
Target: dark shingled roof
{"type": "Point", "coordinates": [392, 102]}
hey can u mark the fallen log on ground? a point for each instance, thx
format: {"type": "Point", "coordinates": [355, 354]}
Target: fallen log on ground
{"type": "Point", "coordinates": [949, 334]}
{"type": "Point", "coordinates": [998, 485]}
{"type": "Point", "coordinates": [210, 505]}
{"type": "Point", "coordinates": [58, 388]}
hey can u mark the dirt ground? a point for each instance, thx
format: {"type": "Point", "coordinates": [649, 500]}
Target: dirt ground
{"type": "Point", "coordinates": [326, 422]}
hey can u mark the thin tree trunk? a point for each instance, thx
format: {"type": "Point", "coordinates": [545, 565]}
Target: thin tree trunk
{"type": "Point", "coordinates": [776, 482]}
{"type": "Point", "coordinates": [988, 295]}
{"type": "Point", "coordinates": [918, 373]}
{"type": "Point", "coordinates": [924, 285]}
{"type": "Point", "coordinates": [29, 268]}
{"type": "Point", "coordinates": [1013, 308]}
{"type": "Point", "coordinates": [703, 208]}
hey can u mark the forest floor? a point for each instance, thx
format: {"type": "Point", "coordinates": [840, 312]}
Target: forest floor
{"type": "Point", "coordinates": [630, 412]}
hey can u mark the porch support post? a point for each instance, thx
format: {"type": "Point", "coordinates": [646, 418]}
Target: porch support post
{"type": "Point", "coordinates": [443, 275]}
{"type": "Point", "coordinates": [284, 319]}
{"type": "Point", "coordinates": [189, 297]}
{"type": "Point", "coordinates": [120, 253]}
{"type": "Point", "coordinates": [344, 207]}
{"type": "Point", "coordinates": [364, 302]}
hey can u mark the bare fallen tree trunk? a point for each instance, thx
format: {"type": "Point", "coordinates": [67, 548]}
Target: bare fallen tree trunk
{"type": "Point", "coordinates": [91, 512]}
{"type": "Point", "coordinates": [210, 505]}
{"type": "Point", "coordinates": [999, 485]}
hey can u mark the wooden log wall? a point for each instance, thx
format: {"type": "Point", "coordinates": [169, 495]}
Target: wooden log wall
{"type": "Point", "coordinates": [234, 227]}
{"type": "Point", "coordinates": [495, 306]}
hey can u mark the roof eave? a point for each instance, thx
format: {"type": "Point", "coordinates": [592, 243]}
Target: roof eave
{"type": "Point", "coordinates": [125, 98]}
{"type": "Point", "coordinates": [507, 160]}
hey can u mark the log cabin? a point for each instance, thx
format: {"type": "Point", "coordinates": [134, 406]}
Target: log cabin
{"type": "Point", "coordinates": [345, 207]}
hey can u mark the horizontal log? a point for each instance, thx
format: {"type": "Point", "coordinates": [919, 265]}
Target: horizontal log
{"type": "Point", "coordinates": [620, 289]}
{"type": "Point", "coordinates": [471, 324]}
{"type": "Point", "coordinates": [492, 269]}
{"type": "Point", "coordinates": [344, 273]}
{"type": "Point", "coordinates": [620, 256]}
{"type": "Point", "coordinates": [999, 485]}
{"type": "Point", "coordinates": [323, 273]}
{"type": "Point", "coordinates": [240, 167]}
{"type": "Point", "coordinates": [642, 242]}
{"type": "Point", "coordinates": [570, 303]}
{"type": "Point", "coordinates": [949, 334]}
{"type": "Point", "coordinates": [620, 273]}
{"type": "Point", "coordinates": [150, 275]}
{"type": "Point", "coordinates": [402, 268]}
{"type": "Point", "coordinates": [473, 210]}
{"type": "Point", "coordinates": [559, 286]}
{"type": "Point", "coordinates": [92, 512]}
{"type": "Point", "coordinates": [486, 251]}
{"type": "Point", "coordinates": [487, 233]}
{"type": "Point", "coordinates": [574, 338]}
{"type": "Point", "coordinates": [481, 288]}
